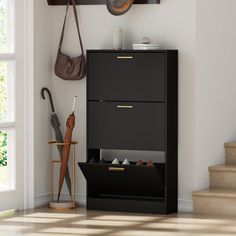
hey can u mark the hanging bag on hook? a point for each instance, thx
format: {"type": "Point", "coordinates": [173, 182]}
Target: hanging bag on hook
{"type": "Point", "coordinates": [68, 68]}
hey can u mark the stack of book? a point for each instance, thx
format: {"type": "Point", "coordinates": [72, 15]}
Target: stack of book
{"type": "Point", "coordinates": [143, 46]}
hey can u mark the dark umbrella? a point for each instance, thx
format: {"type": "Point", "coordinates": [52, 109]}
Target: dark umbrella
{"type": "Point", "coordinates": [70, 124]}
{"type": "Point", "coordinates": [56, 127]}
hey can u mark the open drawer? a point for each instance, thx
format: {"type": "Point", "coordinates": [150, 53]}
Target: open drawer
{"type": "Point", "coordinates": [125, 181]}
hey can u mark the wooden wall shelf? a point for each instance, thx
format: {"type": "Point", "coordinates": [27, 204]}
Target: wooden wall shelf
{"type": "Point", "coordinates": [98, 2]}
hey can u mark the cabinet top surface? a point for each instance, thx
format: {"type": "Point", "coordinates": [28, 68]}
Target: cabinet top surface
{"type": "Point", "coordinates": [128, 51]}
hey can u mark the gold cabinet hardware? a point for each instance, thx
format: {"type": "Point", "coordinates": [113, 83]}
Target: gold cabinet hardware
{"type": "Point", "coordinates": [125, 107]}
{"type": "Point", "coordinates": [124, 57]}
{"type": "Point", "coordinates": [116, 169]}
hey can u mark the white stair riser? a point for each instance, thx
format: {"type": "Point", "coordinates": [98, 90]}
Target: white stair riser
{"type": "Point", "coordinates": [220, 179]}
{"type": "Point", "coordinates": [214, 206]}
{"type": "Point", "coordinates": [230, 155]}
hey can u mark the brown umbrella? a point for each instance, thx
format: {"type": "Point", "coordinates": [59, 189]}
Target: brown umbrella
{"type": "Point", "coordinates": [70, 124]}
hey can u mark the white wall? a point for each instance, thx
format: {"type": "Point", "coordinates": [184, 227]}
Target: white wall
{"type": "Point", "coordinates": [42, 77]}
{"type": "Point", "coordinates": [215, 85]}
{"type": "Point", "coordinates": [173, 25]}
{"type": "Point", "coordinates": [202, 31]}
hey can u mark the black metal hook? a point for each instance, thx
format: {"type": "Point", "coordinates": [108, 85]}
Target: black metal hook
{"type": "Point", "coordinates": [50, 97]}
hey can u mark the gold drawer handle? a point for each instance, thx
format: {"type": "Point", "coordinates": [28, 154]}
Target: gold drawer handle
{"type": "Point", "coordinates": [116, 169]}
{"type": "Point", "coordinates": [125, 107]}
{"type": "Point", "coordinates": [124, 57]}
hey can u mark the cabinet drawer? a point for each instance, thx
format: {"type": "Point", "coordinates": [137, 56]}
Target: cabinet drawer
{"type": "Point", "coordinates": [131, 126]}
{"type": "Point", "coordinates": [105, 179]}
{"type": "Point", "coordinates": [126, 76]}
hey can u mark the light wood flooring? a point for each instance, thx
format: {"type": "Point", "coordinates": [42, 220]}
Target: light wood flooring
{"type": "Point", "coordinates": [45, 222]}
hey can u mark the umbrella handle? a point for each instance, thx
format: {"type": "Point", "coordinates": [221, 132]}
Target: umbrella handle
{"type": "Point", "coordinates": [74, 104]}
{"type": "Point", "coordinates": [50, 97]}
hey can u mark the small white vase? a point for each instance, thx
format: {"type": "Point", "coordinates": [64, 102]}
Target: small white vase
{"type": "Point", "coordinates": [117, 38]}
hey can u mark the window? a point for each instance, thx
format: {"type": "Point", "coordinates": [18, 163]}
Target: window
{"type": "Point", "coordinates": [7, 95]}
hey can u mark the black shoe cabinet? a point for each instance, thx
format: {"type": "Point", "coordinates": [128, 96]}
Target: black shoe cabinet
{"type": "Point", "coordinates": [132, 104]}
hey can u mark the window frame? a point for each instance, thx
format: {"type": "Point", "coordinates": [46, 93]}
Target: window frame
{"type": "Point", "coordinates": [9, 125]}
{"type": "Point", "coordinates": [23, 197]}
{"type": "Point", "coordinates": [10, 57]}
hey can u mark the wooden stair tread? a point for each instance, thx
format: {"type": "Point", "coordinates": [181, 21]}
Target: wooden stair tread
{"type": "Point", "coordinates": [223, 193]}
{"type": "Point", "coordinates": [223, 168]}
{"type": "Point", "coordinates": [230, 144]}
{"type": "Point", "coordinates": [220, 198]}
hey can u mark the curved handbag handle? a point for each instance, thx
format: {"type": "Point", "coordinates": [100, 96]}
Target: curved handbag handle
{"type": "Point", "coordinates": [77, 24]}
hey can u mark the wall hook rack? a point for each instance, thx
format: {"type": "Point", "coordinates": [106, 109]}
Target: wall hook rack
{"type": "Point", "coordinates": [98, 2]}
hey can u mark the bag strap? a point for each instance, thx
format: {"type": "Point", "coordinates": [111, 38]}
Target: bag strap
{"type": "Point", "coordinates": [77, 25]}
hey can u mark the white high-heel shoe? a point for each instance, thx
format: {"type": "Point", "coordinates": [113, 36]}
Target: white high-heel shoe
{"type": "Point", "coordinates": [125, 162]}
{"type": "Point", "coordinates": [115, 162]}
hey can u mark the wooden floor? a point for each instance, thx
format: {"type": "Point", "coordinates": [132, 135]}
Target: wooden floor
{"type": "Point", "coordinates": [45, 222]}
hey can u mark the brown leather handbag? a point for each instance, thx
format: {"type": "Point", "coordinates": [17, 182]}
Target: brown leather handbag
{"type": "Point", "coordinates": [68, 68]}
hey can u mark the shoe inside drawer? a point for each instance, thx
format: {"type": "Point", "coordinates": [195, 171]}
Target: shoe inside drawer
{"type": "Point", "coordinates": [124, 180]}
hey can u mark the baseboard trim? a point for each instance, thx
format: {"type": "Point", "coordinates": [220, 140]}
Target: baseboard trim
{"type": "Point", "coordinates": [80, 198]}
{"type": "Point", "coordinates": [40, 200]}
{"type": "Point", "coordinates": [185, 205]}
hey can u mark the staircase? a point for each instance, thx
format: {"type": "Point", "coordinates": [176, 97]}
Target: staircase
{"type": "Point", "coordinates": [220, 199]}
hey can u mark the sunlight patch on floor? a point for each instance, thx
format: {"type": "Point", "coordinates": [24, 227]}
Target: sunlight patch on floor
{"type": "Point", "coordinates": [50, 234]}
{"type": "Point", "coordinates": [10, 234]}
{"type": "Point", "coordinates": [228, 229]}
{"type": "Point", "coordinates": [127, 218]}
{"type": "Point", "coordinates": [104, 223]}
{"type": "Point", "coordinates": [196, 221]}
{"type": "Point", "coordinates": [146, 233]}
{"type": "Point", "coordinates": [33, 220]}
{"type": "Point", "coordinates": [7, 213]}
{"type": "Point", "coordinates": [54, 215]}
{"type": "Point", "coordinates": [214, 234]}
{"type": "Point", "coordinates": [70, 230]}
{"type": "Point", "coordinates": [13, 227]}
{"type": "Point", "coordinates": [171, 226]}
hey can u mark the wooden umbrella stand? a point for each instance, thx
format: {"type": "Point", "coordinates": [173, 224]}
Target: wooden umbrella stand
{"type": "Point", "coordinates": [65, 204]}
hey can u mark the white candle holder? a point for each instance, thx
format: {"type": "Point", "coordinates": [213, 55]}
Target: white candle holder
{"type": "Point", "coordinates": [117, 38]}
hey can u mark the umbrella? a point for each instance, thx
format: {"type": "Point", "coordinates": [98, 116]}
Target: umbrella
{"type": "Point", "coordinates": [56, 127]}
{"type": "Point", "coordinates": [70, 124]}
